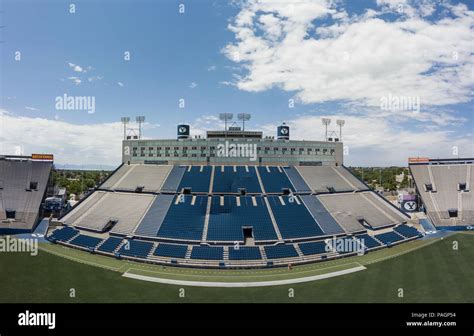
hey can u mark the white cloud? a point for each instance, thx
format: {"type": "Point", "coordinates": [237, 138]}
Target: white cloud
{"type": "Point", "coordinates": [31, 108]}
{"type": "Point", "coordinates": [193, 85]}
{"type": "Point", "coordinates": [378, 141]}
{"type": "Point", "coordinates": [75, 80]}
{"type": "Point", "coordinates": [70, 143]}
{"type": "Point", "coordinates": [95, 78]}
{"type": "Point", "coordinates": [76, 68]}
{"type": "Point", "coordinates": [357, 59]}
{"type": "Point", "coordinates": [120, 84]}
{"type": "Point", "coordinates": [211, 68]}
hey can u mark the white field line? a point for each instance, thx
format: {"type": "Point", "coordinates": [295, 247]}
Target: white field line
{"type": "Point", "coordinates": [243, 284]}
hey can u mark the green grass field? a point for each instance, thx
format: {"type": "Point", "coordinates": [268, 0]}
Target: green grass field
{"type": "Point", "coordinates": [427, 271]}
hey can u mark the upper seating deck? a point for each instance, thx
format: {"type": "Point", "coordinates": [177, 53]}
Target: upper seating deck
{"type": "Point", "coordinates": [274, 179]}
{"type": "Point", "coordinates": [196, 178]}
{"type": "Point", "coordinates": [230, 179]}
{"type": "Point", "coordinates": [328, 178]}
{"type": "Point", "coordinates": [130, 177]}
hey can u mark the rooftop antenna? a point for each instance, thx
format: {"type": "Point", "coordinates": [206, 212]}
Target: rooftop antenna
{"type": "Point", "coordinates": [125, 121]}
{"type": "Point", "coordinates": [140, 120]}
{"type": "Point", "coordinates": [226, 117]}
{"type": "Point", "coordinates": [340, 123]}
{"type": "Point", "coordinates": [244, 117]}
{"type": "Point", "coordinates": [326, 122]}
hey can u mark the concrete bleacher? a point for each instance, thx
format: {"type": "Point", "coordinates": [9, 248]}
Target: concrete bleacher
{"type": "Point", "coordinates": [229, 215]}
{"type": "Point", "coordinates": [229, 179]}
{"type": "Point", "coordinates": [328, 178]}
{"type": "Point", "coordinates": [352, 210]}
{"type": "Point", "coordinates": [121, 211]}
{"type": "Point", "coordinates": [22, 188]}
{"type": "Point", "coordinates": [445, 179]}
{"type": "Point", "coordinates": [130, 177]}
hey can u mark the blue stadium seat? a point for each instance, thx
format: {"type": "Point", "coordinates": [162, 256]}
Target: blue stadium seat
{"type": "Point", "coordinates": [389, 237]}
{"type": "Point", "coordinates": [280, 251]}
{"type": "Point", "coordinates": [274, 181]}
{"type": "Point", "coordinates": [245, 253]}
{"type": "Point", "coordinates": [63, 234]}
{"type": "Point", "coordinates": [197, 180]}
{"type": "Point", "coordinates": [207, 253]}
{"type": "Point", "coordinates": [136, 248]}
{"type": "Point", "coordinates": [407, 231]}
{"type": "Point", "coordinates": [86, 241]}
{"type": "Point", "coordinates": [184, 221]}
{"type": "Point", "coordinates": [293, 219]}
{"type": "Point", "coordinates": [297, 180]}
{"type": "Point", "coordinates": [368, 241]}
{"type": "Point", "coordinates": [230, 181]}
{"type": "Point", "coordinates": [318, 247]}
{"type": "Point", "coordinates": [110, 244]}
{"type": "Point", "coordinates": [226, 221]}
{"type": "Point", "coordinates": [169, 250]}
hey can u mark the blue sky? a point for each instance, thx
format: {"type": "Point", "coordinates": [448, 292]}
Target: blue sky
{"type": "Point", "coordinates": [334, 59]}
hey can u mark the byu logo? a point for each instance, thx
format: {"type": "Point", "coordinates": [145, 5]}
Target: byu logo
{"type": "Point", "coordinates": [284, 131]}
{"type": "Point", "coordinates": [410, 205]}
{"type": "Point", "coordinates": [182, 130]}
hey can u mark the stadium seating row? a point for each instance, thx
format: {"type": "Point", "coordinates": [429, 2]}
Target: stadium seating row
{"type": "Point", "coordinates": [143, 249]}
{"type": "Point", "coordinates": [231, 179]}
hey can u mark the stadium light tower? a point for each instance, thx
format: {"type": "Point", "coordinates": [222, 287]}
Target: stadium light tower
{"type": "Point", "coordinates": [244, 117]}
{"type": "Point", "coordinates": [340, 123]}
{"type": "Point", "coordinates": [140, 120]}
{"type": "Point", "coordinates": [125, 121]}
{"type": "Point", "coordinates": [326, 122]}
{"type": "Point", "coordinates": [226, 117]}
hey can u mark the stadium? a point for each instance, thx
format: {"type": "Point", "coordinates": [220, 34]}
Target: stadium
{"type": "Point", "coordinates": [248, 151]}
{"type": "Point", "coordinates": [190, 202]}
{"type": "Point", "coordinates": [224, 212]}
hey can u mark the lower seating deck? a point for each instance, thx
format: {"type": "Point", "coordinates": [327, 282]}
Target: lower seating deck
{"type": "Point", "coordinates": [190, 254]}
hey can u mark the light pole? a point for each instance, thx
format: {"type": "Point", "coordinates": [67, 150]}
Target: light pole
{"type": "Point", "coordinates": [326, 122]}
{"type": "Point", "coordinates": [340, 123]}
{"type": "Point", "coordinates": [125, 121]}
{"type": "Point", "coordinates": [140, 120]}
